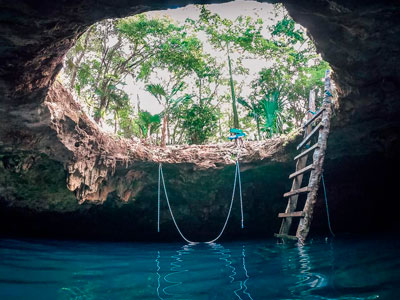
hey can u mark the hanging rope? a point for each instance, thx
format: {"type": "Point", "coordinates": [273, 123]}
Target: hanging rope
{"type": "Point", "coordinates": [237, 175]}
{"type": "Point", "coordinates": [169, 207]}
{"type": "Point", "coordinates": [159, 202]}
{"type": "Point", "coordinates": [240, 194]}
{"type": "Point", "coordinates": [230, 207]}
{"type": "Point", "coordinates": [240, 186]}
{"type": "Point", "coordinates": [326, 204]}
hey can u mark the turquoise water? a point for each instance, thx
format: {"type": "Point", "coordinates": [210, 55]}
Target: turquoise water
{"type": "Point", "coordinates": [339, 269]}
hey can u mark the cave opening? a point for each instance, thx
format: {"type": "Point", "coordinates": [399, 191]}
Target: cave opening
{"type": "Point", "coordinates": [64, 178]}
{"type": "Point", "coordinates": [100, 167]}
{"type": "Point", "coordinates": [188, 75]}
{"type": "Point", "coordinates": [185, 76]}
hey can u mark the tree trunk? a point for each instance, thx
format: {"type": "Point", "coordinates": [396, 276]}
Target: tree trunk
{"type": "Point", "coordinates": [234, 109]}
{"type": "Point", "coordinates": [138, 104]}
{"type": "Point", "coordinates": [181, 136]}
{"type": "Point", "coordinates": [115, 122]}
{"type": "Point", "coordinates": [220, 129]}
{"type": "Point", "coordinates": [164, 131]}
{"type": "Point", "coordinates": [168, 134]}
{"type": "Point", "coordinates": [176, 127]}
{"type": "Point", "coordinates": [258, 128]}
{"type": "Point", "coordinates": [148, 131]}
{"type": "Point", "coordinates": [97, 116]}
{"type": "Point", "coordinates": [200, 95]}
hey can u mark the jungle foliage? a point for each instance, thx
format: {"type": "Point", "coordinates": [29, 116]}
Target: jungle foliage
{"type": "Point", "coordinates": [201, 92]}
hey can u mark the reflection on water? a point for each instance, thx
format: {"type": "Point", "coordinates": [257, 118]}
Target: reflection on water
{"type": "Point", "coordinates": [179, 277]}
{"type": "Point", "coordinates": [340, 269]}
{"type": "Point", "coordinates": [158, 275]}
{"type": "Point", "coordinates": [307, 280]}
{"type": "Point", "coordinates": [245, 272]}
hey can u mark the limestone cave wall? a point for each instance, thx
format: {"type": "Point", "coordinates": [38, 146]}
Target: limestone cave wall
{"type": "Point", "coordinates": [61, 176]}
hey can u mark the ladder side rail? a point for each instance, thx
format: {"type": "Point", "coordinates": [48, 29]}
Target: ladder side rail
{"type": "Point", "coordinates": [318, 161]}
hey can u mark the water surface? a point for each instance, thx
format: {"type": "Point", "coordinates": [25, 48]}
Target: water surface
{"type": "Point", "coordinates": [340, 269]}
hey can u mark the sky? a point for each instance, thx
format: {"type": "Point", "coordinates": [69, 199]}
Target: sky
{"type": "Point", "coordinates": [230, 10]}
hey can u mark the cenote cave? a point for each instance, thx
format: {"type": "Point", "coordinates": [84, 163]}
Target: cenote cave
{"type": "Point", "coordinates": [199, 149]}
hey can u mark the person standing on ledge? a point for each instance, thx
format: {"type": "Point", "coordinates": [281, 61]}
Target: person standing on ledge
{"type": "Point", "coordinates": [237, 135]}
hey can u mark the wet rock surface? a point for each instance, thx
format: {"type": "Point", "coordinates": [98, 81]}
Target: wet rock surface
{"type": "Point", "coordinates": [61, 176]}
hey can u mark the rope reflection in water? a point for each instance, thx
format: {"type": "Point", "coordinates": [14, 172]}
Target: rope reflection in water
{"type": "Point", "coordinates": [225, 256]}
{"type": "Point", "coordinates": [245, 272]}
{"type": "Point", "coordinates": [175, 266]}
{"type": "Point", "coordinates": [158, 275]}
{"type": "Point", "coordinates": [194, 272]}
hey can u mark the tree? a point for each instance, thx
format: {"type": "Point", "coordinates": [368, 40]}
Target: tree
{"type": "Point", "coordinates": [76, 54]}
{"type": "Point", "coordinates": [272, 109]}
{"type": "Point", "coordinates": [199, 118]}
{"type": "Point", "coordinates": [168, 99]}
{"type": "Point", "coordinates": [228, 36]}
{"type": "Point", "coordinates": [254, 111]}
{"type": "Point", "coordinates": [281, 91]}
{"type": "Point", "coordinates": [119, 103]}
{"type": "Point", "coordinates": [173, 65]}
{"type": "Point", "coordinates": [200, 123]}
{"type": "Point", "coordinates": [148, 124]}
{"type": "Point", "coordinates": [117, 49]}
{"type": "Point", "coordinates": [101, 73]}
{"type": "Point", "coordinates": [207, 73]}
{"type": "Point", "coordinates": [180, 56]}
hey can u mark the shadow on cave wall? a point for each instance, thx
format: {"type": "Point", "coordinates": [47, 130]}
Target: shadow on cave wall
{"type": "Point", "coordinates": [358, 204]}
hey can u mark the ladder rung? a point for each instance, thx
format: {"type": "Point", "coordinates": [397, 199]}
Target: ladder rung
{"type": "Point", "coordinates": [314, 117]}
{"type": "Point", "coordinates": [301, 171]}
{"type": "Point", "coordinates": [305, 189]}
{"type": "Point", "coordinates": [291, 214]}
{"type": "Point", "coordinates": [307, 151]}
{"type": "Point", "coordinates": [285, 236]}
{"type": "Point", "coordinates": [308, 137]}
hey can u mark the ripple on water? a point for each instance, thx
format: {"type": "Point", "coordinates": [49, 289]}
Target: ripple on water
{"type": "Point", "coordinates": [341, 269]}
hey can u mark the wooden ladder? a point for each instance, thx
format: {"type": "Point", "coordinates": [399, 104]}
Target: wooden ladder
{"type": "Point", "coordinates": [315, 168]}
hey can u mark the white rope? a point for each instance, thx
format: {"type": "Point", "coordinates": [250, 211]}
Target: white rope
{"type": "Point", "coordinates": [240, 194]}
{"type": "Point", "coordinates": [170, 210]}
{"type": "Point", "coordinates": [240, 187]}
{"type": "Point", "coordinates": [237, 174]}
{"type": "Point", "coordinates": [159, 202]}
{"type": "Point", "coordinates": [326, 204]}
{"type": "Point", "coordinates": [230, 208]}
